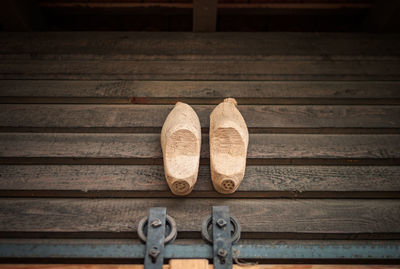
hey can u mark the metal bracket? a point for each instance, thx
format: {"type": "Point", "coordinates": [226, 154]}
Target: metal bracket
{"type": "Point", "coordinates": [222, 242]}
{"type": "Point", "coordinates": [154, 256]}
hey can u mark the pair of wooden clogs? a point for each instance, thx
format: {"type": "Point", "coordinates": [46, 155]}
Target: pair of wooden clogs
{"type": "Point", "coordinates": [181, 142]}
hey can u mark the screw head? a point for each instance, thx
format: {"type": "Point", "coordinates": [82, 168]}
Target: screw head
{"type": "Point", "coordinates": [222, 253]}
{"type": "Point", "coordinates": [221, 223]}
{"type": "Point", "coordinates": [156, 223]}
{"type": "Point", "coordinates": [153, 253]}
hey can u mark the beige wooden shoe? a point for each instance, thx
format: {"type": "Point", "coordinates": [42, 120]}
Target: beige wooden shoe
{"type": "Point", "coordinates": [229, 139]}
{"type": "Point", "coordinates": [180, 142]}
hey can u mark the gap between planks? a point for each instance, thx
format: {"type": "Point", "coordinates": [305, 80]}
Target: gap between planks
{"type": "Point", "coordinates": [201, 194]}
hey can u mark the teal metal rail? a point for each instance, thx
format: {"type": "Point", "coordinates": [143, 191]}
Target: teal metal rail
{"type": "Point", "coordinates": [312, 250]}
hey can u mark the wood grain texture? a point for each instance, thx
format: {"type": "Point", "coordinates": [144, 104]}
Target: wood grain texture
{"type": "Point", "coordinates": [146, 179]}
{"type": "Point", "coordinates": [137, 116]}
{"type": "Point", "coordinates": [353, 77]}
{"type": "Point", "coordinates": [201, 70]}
{"type": "Point", "coordinates": [261, 146]}
{"type": "Point", "coordinates": [142, 45]}
{"type": "Point", "coordinates": [202, 89]}
{"type": "Point", "coordinates": [204, 15]}
{"type": "Point", "coordinates": [267, 215]}
{"type": "Point", "coordinates": [184, 263]}
{"type": "Point", "coordinates": [191, 263]}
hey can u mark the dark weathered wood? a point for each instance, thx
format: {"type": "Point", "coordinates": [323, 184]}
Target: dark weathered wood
{"type": "Point", "coordinates": [202, 89]}
{"type": "Point", "coordinates": [136, 116]}
{"type": "Point", "coordinates": [147, 146]}
{"type": "Point", "coordinates": [201, 70]}
{"type": "Point", "coordinates": [184, 263]}
{"type": "Point", "coordinates": [150, 178]}
{"type": "Point", "coordinates": [204, 15]}
{"type": "Point", "coordinates": [266, 216]}
{"type": "Point", "coordinates": [384, 16]}
{"type": "Point", "coordinates": [200, 92]}
{"type": "Point", "coordinates": [250, 46]}
{"type": "Point", "coordinates": [21, 15]}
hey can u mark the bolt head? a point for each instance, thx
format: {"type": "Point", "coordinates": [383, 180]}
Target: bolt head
{"type": "Point", "coordinates": [221, 223]}
{"type": "Point", "coordinates": [222, 253]}
{"type": "Point", "coordinates": [154, 252]}
{"type": "Point", "coordinates": [156, 223]}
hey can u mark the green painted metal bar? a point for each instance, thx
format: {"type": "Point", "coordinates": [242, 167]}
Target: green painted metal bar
{"type": "Point", "coordinates": [357, 250]}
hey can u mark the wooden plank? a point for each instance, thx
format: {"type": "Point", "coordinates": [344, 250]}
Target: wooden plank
{"type": "Point", "coordinates": [384, 16]}
{"type": "Point", "coordinates": [191, 263]}
{"type": "Point", "coordinates": [147, 146]}
{"type": "Point", "coordinates": [189, 46]}
{"type": "Point", "coordinates": [144, 180]}
{"type": "Point", "coordinates": [226, 3]}
{"type": "Point", "coordinates": [200, 92]}
{"type": "Point", "coordinates": [201, 89]}
{"type": "Point", "coordinates": [267, 216]}
{"type": "Point", "coordinates": [137, 116]}
{"type": "Point", "coordinates": [179, 264]}
{"type": "Point", "coordinates": [21, 15]}
{"type": "Point", "coordinates": [201, 70]}
{"type": "Point", "coordinates": [204, 15]}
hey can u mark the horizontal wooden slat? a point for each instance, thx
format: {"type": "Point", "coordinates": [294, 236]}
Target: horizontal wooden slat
{"type": "Point", "coordinates": [202, 89]}
{"type": "Point", "coordinates": [135, 46]}
{"type": "Point", "coordinates": [146, 180]}
{"type": "Point", "coordinates": [266, 216]}
{"type": "Point", "coordinates": [128, 116]}
{"type": "Point", "coordinates": [198, 265]}
{"type": "Point", "coordinates": [261, 146]}
{"type": "Point", "coordinates": [54, 5]}
{"type": "Point", "coordinates": [201, 70]}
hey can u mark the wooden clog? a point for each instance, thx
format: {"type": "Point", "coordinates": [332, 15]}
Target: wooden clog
{"type": "Point", "coordinates": [229, 139]}
{"type": "Point", "coordinates": [180, 142]}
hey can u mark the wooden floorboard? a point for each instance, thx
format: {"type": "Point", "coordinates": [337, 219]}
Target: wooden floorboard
{"type": "Point", "coordinates": [149, 180]}
{"type": "Point", "coordinates": [127, 45]}
{"type": "Point", "coordinates": [138, 90]}
{"type": "Point", "coordinates": [142, 116]}
{"type": "Point", "coordinates": [201, 70]}
{"type": "Point", "coordinates": [185, 264]}
{"type": "Point", "coordinates": [261, 146]}
{"type": "Point", "coordinates": [80, 117]}
{"type": "Point", "coordinates": [263, 217]}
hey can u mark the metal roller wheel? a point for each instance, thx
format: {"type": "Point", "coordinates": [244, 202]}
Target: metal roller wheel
{"type": "Point", "coordinates": [170, 229]}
